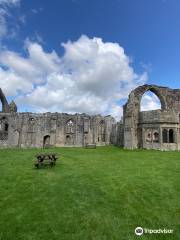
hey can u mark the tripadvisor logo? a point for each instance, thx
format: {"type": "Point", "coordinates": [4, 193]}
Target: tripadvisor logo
{"type": "Point", "coordinates": [139, 231]}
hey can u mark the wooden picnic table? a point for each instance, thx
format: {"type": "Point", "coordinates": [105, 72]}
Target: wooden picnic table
{"type": "Point", "coordinates": [45, 159]}
{"type": "Point", "coordinates": [90, 146]}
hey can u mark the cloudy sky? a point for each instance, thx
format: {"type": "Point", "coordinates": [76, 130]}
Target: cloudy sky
{"type": "Point", "coordinates": [86, 56]}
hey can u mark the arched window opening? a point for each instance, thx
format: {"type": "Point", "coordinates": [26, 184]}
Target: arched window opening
{"type": "Point", "coordinates": [171, 136]}
{"type": "Point", "coordinates": [31, 124]}
{"type": "Point", "coordinates": [150, 101]}
{"type": "Point", "coordinates": [149, 136]}
{"type": "Point", "coordinates": [165, 135]}
{"type": "Point", "coordinates": [68, 139]}
{"type": "Point", "coordinates": [46, 141]}
{"type": "Point", "coordinates": [70, 125]}
{"type": "Point", "coordinates": [6, 126]}
{"type": "Point", "coordinates": [156, 137]}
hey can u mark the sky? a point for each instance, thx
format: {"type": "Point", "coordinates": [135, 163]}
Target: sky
{"type": "Point", "coordinates": [86, 55]}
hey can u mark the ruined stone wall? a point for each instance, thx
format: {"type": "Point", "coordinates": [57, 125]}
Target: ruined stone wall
{"type": "Point", "coordinates": [159, 129]}
{"type": "Point", "coordinates": [117, 134]}
{"type": "Point", "coordinates": [152, 129]}
{"type": "Point", "coordinates": [55, 129]}
{"type": "Point", "coordinates": [51, 129]}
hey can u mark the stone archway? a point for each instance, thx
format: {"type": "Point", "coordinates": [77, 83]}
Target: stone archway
{"type": "Point", "coordinates": [46, 141]}
{"type": "Point", "coordinates": [155, 91]}
{"type": "Point", "coordinates": [132, 132]}
{"type": "Point", "coordinates": [5, 105]}
{"type": "Point", "coordinates": [69, 139]}
{"type": "Point", "coordinates": [136, 95]}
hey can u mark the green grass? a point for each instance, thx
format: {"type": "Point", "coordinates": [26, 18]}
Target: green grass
{"type": "Point", "coordinates": [98, 194]}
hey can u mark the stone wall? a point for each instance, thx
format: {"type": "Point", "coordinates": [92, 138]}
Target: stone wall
{"type": "Point", "coordinates": [51, 129]}
{"type": "Point", "coordinates": [54, 129]}
{"type": "Point", "coordinates": [157, 129]}
{"type": "Point", "coordinates": [117, 134]}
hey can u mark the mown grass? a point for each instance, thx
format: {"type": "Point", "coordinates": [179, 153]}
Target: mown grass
{"type": "Point", "coordinates": [98, 194]}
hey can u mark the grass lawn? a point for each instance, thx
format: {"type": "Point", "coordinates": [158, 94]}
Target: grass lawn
{"type": "Point", "coordinates": [98, 194]}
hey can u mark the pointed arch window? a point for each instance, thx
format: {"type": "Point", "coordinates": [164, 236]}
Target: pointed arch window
{"type": "Point", "coordinates": [165, 136]}
{"type": "Point", "coordinates": [150, 101]}
{"type": "Point", "coordinates": [156, 137]}
{"type": "Point", "coordinates": [171, 136]}
{"type": "Point", "coordinates": [70, 126]}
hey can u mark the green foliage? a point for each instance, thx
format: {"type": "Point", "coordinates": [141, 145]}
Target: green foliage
{"type": "Point", "coordinates": [98, 194]}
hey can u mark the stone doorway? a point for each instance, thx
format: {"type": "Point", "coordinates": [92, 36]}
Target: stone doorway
{"type": "Point", "coordinates": [46, 141]}
{"type": "Point", "coordinates": [69, 139]}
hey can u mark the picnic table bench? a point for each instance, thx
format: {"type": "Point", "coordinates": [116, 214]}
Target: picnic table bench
{"type": "Point", "coordinates": [90, 146]}
{"type": "Point", "coordinates": [45, 159]}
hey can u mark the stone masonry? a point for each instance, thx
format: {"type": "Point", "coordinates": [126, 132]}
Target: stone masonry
{"type": "Point", "coordinates": [51, 129]}
{"type": "Point", "coordinates": [156, 129]}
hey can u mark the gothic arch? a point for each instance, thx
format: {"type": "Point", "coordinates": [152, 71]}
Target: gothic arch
{"type": "Point", "coordinates": [70, 126]}
{"type": "Point", "coordinates": [5, 105]}
{"type": "Point", "coordinates": [158, 94]}
{"type": "Point", "coordinates": [137, 94]}
{"type": "Point", "coordinates": [46, 141]}
{"type": "Point", "coordinates": [132, 131]}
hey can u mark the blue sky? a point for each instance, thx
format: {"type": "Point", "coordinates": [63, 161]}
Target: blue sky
{"type": "Point", "coordinates": [147, 31]}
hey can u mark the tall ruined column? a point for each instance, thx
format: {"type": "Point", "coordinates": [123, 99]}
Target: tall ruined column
{"type": "Point", "coordinates": [130, 126]}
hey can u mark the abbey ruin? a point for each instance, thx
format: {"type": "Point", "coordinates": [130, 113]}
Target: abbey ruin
{"type": "Point", "coordinates": [155, 129]}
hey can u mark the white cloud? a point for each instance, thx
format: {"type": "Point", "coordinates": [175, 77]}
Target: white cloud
{"type": "Point", "coordinates": [11, 83]}
{"type": "Point", "coordinates": [92, 76]}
